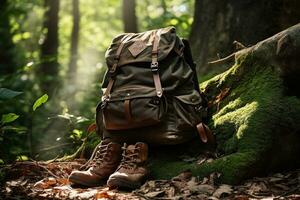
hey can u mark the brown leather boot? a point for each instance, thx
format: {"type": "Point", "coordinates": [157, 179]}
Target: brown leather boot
{"type": "Point", "coordinates": [104, 162]}
{"type": "Point", "coordinates": [132, 170]}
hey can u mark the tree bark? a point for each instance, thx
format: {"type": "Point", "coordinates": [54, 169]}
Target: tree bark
{"type": "Point", "coordinates": [129, 16]}
{"type": "Point", "coordinates": [74, 42]}
{"type": "Point", "coordinates": [7, 48]}
{"type": "Point", "coordinates": [49, 48]}
{"type": "Point", "coordinates": [217, 24]}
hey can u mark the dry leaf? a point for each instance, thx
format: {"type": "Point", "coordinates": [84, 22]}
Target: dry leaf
{"type": "Point", "coordinates": [223, 189]}
{"type": "Point", "coordinates": [45, 183]}
{"type": "Point", "coordinates": [193, 186]}
{"type": "Point", "coordinates": [63, 181]}
{"type": "Point", "coordinates": [155, 194]}
{"type": "Point", "coordinates": [103, 195]}
{"type": "Point", "coordinates": [183, 176]}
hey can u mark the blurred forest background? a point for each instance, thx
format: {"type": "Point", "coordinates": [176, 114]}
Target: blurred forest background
{"type": "Point", "coordinates": [52, 58]}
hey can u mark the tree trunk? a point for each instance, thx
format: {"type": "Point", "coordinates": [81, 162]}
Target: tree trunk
{"type": "Point", "coordinates": [255, 114]}
{"type": "Point", "coordinates": [129, 16]}
{"type": "Point", "coordinates": [7, 48]}
{"type": "Point", "coordinates": [49, 48]}
{"type": "Point", "coordinates": [217, 24]}
{"type": "Point", "coordinates": [74, 43]}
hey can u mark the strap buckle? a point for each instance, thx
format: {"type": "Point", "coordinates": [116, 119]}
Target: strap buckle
{"type": "Point", "coordinates": [104, 102]}
{"type": "Point", "coordinates": [112, 72]}
{"type": "Point", "coordinates": [154, 66]}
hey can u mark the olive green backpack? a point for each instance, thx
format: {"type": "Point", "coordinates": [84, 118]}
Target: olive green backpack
{"type": "Point", "coordinates": [152, 93]}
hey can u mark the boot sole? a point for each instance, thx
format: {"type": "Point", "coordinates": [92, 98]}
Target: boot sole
{"type": "Point", "coordinates": [122, 183]}
{"type": "Point", "coordinates": [78, 181]}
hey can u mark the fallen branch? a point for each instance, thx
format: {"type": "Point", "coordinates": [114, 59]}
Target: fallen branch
{"type": "Point", "coordinates": [229, 58]}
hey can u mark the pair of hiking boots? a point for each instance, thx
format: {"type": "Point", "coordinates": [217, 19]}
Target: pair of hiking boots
{"type": "Point", "coordinates": [115, 165]}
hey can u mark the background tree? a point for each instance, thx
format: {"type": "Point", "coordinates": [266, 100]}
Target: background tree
{"type": "Point", "coordinates": [49, 47]}
{"type": "Point", "coordinates": [129, 16]}
{"type": "Point", "coordinates": [217, 24]}
{"type": "Point", "coordinates": [74, 42]}
{"type": "Point", "coordinates": [7, 48]}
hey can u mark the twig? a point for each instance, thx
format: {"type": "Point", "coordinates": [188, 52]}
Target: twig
{"type": "Point", "coordinates": [45, 168]}
{"type": "Point", "coordinates": [223, 60]}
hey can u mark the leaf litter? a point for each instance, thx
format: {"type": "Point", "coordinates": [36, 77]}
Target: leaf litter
{"type": "Point", "coordinates": [42, 180]}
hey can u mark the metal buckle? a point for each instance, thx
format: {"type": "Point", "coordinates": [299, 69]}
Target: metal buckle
{"type": "Point", "coordinates": [112, 73]}
{"type": "Point", "coordinates": [154, 66]}
{"type": "Point", "coordinates": [104, 102]}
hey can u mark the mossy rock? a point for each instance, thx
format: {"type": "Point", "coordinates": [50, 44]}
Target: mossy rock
{"type": "Point", "coordinates": [255, 114]}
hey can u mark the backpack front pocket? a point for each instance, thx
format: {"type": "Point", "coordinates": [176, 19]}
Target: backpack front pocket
{"type": "Point", "coordinates": [133, 113]}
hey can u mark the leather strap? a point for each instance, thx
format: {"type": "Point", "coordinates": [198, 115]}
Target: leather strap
{"type": "Point", "coordinates": [127, 110]}
{"type": "Point", "coordinates": [205, 133]}
{"type": "Point", "coordinates": [114, 68]}
{"type": "Point", "coordinates": [154, 65]}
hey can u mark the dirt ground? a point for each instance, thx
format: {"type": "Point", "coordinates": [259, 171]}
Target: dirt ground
{"type": "Point", "coordinates": [41, 180]}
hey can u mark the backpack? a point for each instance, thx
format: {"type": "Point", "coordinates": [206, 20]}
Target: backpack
{"type": "Point", "coordinates": [152, 92]}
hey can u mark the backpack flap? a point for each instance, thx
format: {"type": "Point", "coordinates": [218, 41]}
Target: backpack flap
{"type": "Point", "coordinates": [138, 48]}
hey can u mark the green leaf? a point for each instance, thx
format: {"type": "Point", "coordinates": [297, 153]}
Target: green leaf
{"type": "Point", "coordinates": [8, 94]}
{"type": "Point", "coordinates": [10, 117]}
{"type": "Point", "coordinates": [40, 101]}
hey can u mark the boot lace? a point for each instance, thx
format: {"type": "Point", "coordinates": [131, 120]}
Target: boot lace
{"type": "Point", "coordinates": [128, 158]}
{"type": "Point", "coordinates": [98, 156]}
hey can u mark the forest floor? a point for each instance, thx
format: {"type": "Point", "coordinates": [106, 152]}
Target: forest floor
{"type": "Point", "coordinates": [41, 180]}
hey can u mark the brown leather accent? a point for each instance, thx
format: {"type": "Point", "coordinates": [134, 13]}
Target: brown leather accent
{"type": "Point", "coordinates": [205, 133]}
{"type": "Point", "coordinates": [137, 47]}
{"type": "Point", "coordinates": [157, 83]}
{"type": "Point", "coordinates": [202, 132]}
{"type": "Point", "coordinates": [114, 67]}
{"type": "Point", "coordinates": [127, 110]}
{"type": "Point", "coordinates": [154, 63]}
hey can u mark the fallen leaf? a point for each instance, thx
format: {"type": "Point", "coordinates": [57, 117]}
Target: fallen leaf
{"type": "Point", "coordinates": [223, 189]}
{"type": "Point", "coordinates": [183, 176]}
{"type": "Point", "coordinates": [103, 195]}
{"type": "Point", "coordinates": [63, 181]}
{"type": "Point", "coordinates": [193, 186]}
{"type": "Point", "coordinates": [171, 192]}
{"type": "Point", "coordinates": [155, 194]}
{"type": "Point", "coordinates": [45, 183]}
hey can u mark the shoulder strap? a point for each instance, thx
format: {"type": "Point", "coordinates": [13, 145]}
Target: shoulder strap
{"type": "Point", "coordinates": [112, 70]}
{"type": "Point", "coordinates": [154, 65]}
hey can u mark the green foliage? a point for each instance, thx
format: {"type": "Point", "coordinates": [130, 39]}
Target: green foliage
{"type": "Point", "coordinates": [8, 94]}
{"type": "Point", "coordinates": [59, 127]}
{"type": "Point", "coordinates": [7, 118]}
{"type": "Point", "coordinates": [43, 99]}
{"type": "Point", "coordinates": [162, 13]}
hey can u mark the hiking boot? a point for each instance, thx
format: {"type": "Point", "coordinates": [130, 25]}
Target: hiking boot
{"type": "Point", "coordinates": [103, 162]}
{"type": "Point", "coordinates": [132, 170]}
